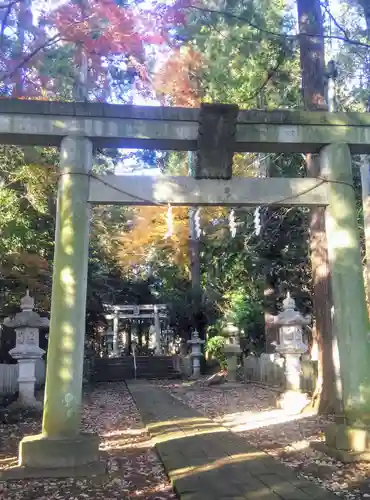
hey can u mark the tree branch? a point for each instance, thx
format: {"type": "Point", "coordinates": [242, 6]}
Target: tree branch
{"type": "Point", "coordinates": [56, 38]}
{"type": "Point", "coordinates": [9, 5]}
{"type": "Point", "coordinates": [4, 20]}
{"type": "Point", "coordinates": [270, 73]}
{"type": "Point", "coordinates": [275, 34]}
{"type": "Point", "coordinates": [336, 24]}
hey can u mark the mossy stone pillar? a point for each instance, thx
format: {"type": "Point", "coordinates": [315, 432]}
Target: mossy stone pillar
{"type": "Point", "coordinates": [349, 436]}
{"type": "Point", "coordinates": [61, 444]}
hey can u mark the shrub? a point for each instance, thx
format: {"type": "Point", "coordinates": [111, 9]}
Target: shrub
{"type": "Point", "coordinates": [214, 347]}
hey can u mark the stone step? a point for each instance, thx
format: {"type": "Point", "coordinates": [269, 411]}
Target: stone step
{"type": "Point", "coordinates": [150, 367]}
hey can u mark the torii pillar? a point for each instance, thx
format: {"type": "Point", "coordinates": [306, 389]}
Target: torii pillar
{"type": "Point", "coordinates": [349, 438]}
{"type": "Point", "coordinates": [61, 445]}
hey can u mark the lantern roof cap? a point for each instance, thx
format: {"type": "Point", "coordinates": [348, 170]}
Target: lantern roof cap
{"type": "Point", "coordinates": [27, 317]}
{"type": "Point", "coordinates": [289, 315]}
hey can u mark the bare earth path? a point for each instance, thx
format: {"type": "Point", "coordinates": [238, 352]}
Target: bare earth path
{"type": "Point", "coordinates": [134, 470]}
{"type": "Point", "coordinates": [247, 409]}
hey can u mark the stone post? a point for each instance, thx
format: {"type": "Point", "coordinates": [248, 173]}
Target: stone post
{"type": "Point", "coordinates": [152, 343]}
{"type": "Point", "coordinates": [350, 436]}
{"type": "Point", "coordinates": [115, 333]}
{"type": "Point", "coordinates": [157, 326]}
{"type": "Point", "coordinates": [196, 353]}
{"type": "Point", "coordinates": [27, 350]}
{"type": "Point", "coordinates": [109, 338]}
{"type": "Point", "coordinates": [232, 350]}
{"type": "Point", "coordinates": [61, 445]}
{"type": "Point", "coordinates": [291, 346]}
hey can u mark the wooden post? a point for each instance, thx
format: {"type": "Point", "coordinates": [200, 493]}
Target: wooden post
{"type": "Point", "coordinates": [365, 182]}
{"type": "Point", "coordinates": [312, 57]}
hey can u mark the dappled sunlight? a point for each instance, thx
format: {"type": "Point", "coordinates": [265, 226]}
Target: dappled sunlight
{"type": "Point", "coordinates": [244, 421]}
{"type": "Point", "coordinates": [343, 240]}
{"type": "Point", "coordinates": [160, 489]}
{"type": "Point", "coordinates": [247, 411]}
{"type": "Point", "coordinates": [133, 468]}
{"type": "Point", "coordinates": [179, 422]}
{"type": "Point", "coordinates": [215, 464]}
{"type": "Point", "coordinates": [67, 239]}
{"type": "Point", "coordinates": [219, 464]}
{"type": "Point", "coordinates": [67, 344]}
{"type": "Point", "coordinates": [67, 232]}
{"type": "Point", "coordinates": [196, 426]}
{"type": "Point", "coordinates": [125, 439]}
{"type": "Point", "coordinates": [67, 337]}
{"type": "Point", "coordinates": [68, 284]}
{"type": "Point", "coordinates": [170, 430]}
{"type": "Point", "coordinates": [126, 432]}
{"type": "Point", "coordinates": [8, 462]}
{"type": "Point", "coordinates": [178, 432]}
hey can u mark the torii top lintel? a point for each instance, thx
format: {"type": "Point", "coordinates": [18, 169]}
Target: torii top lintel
{"type": "Point", "coordinates": [216, 130]}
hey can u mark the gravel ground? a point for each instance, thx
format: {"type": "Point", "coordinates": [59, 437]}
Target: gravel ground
{"type": "Point", "coordinates": [134, 470]}
{"type": "Point", "coordinates": [249, 411]}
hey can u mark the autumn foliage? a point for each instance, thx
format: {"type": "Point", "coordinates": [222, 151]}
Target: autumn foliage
{"type": "Point", "coordinates": [177, 80]}
{"type": "Point", "coordinates": [149, 232]}
{"type": "Point", "coordinates": [104, 31]}
{"type": "Point", "coordinates": [104, 27]}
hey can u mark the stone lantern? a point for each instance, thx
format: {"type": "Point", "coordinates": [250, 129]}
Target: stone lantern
{"type": "Point", "coordinates": [109, 340]}
{"type": "Point", "coordinates": [291, 347]}
{"type": "Point", "coordinates": [232, 350]}
{"type": "Point", "coordinates": [133, 352]}
{"type": "Point", "coordinates": [196, 352]}
{"type": "Point", "coordinates": [27, 350]}
{"type": "Point", "coordinates": [157, 331]}
{"type": "Point", "coordinates": [152, 338]}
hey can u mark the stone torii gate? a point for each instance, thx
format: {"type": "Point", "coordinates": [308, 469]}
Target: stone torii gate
{"type": "Point", "coordinates": [156, 312]}
{"type": "Point", "coordinates": [215, 132]}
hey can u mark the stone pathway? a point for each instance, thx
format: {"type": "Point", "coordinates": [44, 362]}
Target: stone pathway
{"type": "Point", "coordinates": [205, 461]}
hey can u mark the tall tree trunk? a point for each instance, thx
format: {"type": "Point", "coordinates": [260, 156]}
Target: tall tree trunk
{"type": "Point", "coordinates": [195, 271]}
{"type": "Point", "coordinates": [19, 47]}
{"type": "Point", "coordinates": [80, 91]}
{"type": "Point", "coordinates": [270, 310]}
{"type": "Point", "coordinates": [270, 292]}
{"type": "Point", "coordinates": [312, 58]}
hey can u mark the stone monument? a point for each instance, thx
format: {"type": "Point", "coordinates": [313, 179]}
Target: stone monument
{"type": "Point", "coordinates": [291, 347]}
{"type": "Point", "coordinates": [109, 341]}
{"type": "Point", "coordinates": [27, 350]}
{"type": "Point", "coordinates": [232, 350]}
{"type": "Point", "coordinates": [196, 353]}
{"type": "Point", "coordinates": [157, 330]}
{"type": "Point", "coordinates": [152, 338]}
